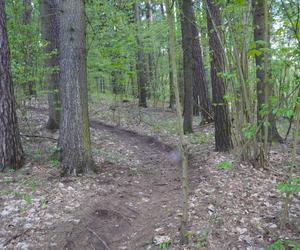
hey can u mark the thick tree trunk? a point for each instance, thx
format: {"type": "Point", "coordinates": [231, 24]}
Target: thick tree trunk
{"type": "Point", "coordinates": [141, 67]}
{"type": "Point", "coordinates": [220, 107]}
{"type": "Point", "coordinates": [11, 152]}
{"type": "Point", "coordinates": [188, 74]}
{"type": "Point", "coordinates": [74, 138]}
{"type": "Point", "coordinates": [29, 87]}
{"type": "Point", "coordinates": [49, 12]}
{"type": "Point", "coordinates": [202, 103]}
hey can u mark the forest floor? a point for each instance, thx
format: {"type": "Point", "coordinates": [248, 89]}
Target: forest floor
{"type": "Point", "coordinates": [134, 201]}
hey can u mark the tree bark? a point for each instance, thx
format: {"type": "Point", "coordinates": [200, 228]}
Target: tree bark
{"type": "Point", "coordinates": [264, 87]}
{"type": "Point", "coordinates": [74, 141]}
{"type": "Point", "coordinates": [222, 122]}
{"type": "Point", "coordinates": [188, 74]}
{"type": "Point", "coordinates": [202, 103]}
{"type": "Point", "coordinates": [141, 61]}
{"type": "Point", "coordinates": [49, 12]}
{"type": "Point", "coordinates": [11, 152]}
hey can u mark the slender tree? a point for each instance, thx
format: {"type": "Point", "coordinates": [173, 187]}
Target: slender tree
{"type": "Point", "coordinates": [222, 123]}
{"type": "Point", "coordinates": [188, 74]}
{"type": "Point", "coordinates": [50, 33]}
{"type": "Point", "coordinates": [74, 138]}
{"type": "Point", "coordinates": [264, 88]}
{"type": "Point", "coordinates": [29, 86]}
{"type": "Point", "coordinates": [183, 145]}
{"type": "Point", "coordinates": [150, 55]}
{"type": "Point", "coordinates": [141, 67]}
{"type": "Point", "coordinates": [11, 152]}
{"type": "Point", "coordinates": [202, 102]}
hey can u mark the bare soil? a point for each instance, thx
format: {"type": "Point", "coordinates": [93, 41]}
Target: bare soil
{"type": "Point", "coordinates": [134, 201]}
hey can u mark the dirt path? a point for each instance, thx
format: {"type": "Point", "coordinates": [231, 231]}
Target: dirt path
{"type": "Point", "coordinates": [135, 197]}
{"type": "Point", "coordinates": [146, 197]}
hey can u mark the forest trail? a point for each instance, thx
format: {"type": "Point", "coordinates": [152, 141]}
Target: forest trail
{"type": "Point", "coordinates": [136, 195]}
{"type": "Point", "coordinates": [146, 197]}
{"type": "Point", "coordinates": [130, 203]}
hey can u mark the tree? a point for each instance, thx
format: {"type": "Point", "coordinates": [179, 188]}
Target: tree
{"type": "Point", "coordinates": [202, 103]}
{"type": "Point", "coordinates": [50, 33]}
{"type": "Point", "coordinates": [27, 19]}
{"type": "Point", "coordinates": [141, 61]}
{"type": "Point", "coordinates": [220, 106]}
{"type": "Point", "coordinates": [150, 55]}
{"type": "Point", "coordinates": [74, 141]}
{"type": "Point", "coordinates": [188, 74]}
{"type": "Point", "coordinates": [180, 128]}
{"type": "Point", "coordinates": [11, 152]}
{"type": "Point", "coordinates": [264, 88]}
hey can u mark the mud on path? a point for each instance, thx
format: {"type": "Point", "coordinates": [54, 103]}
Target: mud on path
{"type": "Point", "coordinates": [135, 196]}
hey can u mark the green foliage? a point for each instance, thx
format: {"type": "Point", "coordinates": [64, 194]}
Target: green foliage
{"type": "Point", "coordinates": [27, 198]}
{"type": "Point", "coordinates": [284, 245]}
{"type": "Point", "coordinates": [225, 165]}
{"type": "Point", "coordinates": [290, 187]}
{"type": "Point", "coordinates": [165, 244]}
{"type": "Point", "coordinates": [249, 131]}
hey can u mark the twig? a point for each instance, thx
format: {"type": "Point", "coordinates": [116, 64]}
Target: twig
{"type": "Point", "coordinates": [39, 136]}
{"type": "Point", "coordinates": [98, 237]}
{"type": "Point", "coordinates": [15, 237]}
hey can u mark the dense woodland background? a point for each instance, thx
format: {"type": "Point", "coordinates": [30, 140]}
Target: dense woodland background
{"type": "Point", "coordinates": [197, 96]}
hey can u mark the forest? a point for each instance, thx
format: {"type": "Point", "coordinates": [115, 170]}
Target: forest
{"type": "Point", "coordinates": [155, 124]}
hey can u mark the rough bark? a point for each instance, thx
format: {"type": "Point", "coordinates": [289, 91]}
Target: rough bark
{"type": "Point", "coordinates": [202, 103]}
{"type": "Point", "coordinates": [11, 152]}
{"type": "Point", "coordinates": [50, 33]}
{"type": "Point", "coordinates": [222, 123]}
{"type": "Point", "coordinates": [29, 87]}
{"type": "Point", "coordinates": [74, 138]}
{"type": "Point", "coordinates": [188, 75]}
{"type": "Point", "coordinates": [141, 67]}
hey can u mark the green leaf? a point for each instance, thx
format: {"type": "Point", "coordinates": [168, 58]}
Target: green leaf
{"type": "Point", "coordinates": [225, 165]}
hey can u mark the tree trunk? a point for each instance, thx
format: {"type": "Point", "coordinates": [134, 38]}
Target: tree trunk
{"type": "Point", "coordinates": [171, 90]}
{"type": "Point", "coordinates": [11, 152]}
{"type": "Point", "coordinates": [220, 106]}
{"type": "Point", "coordinates": [141, 61]}
{"type": "Point", "coordinates": [183, 144]}
{"type": "Point", "coordinates": [151, 57]}
{"type": "Point", "coordinates": [50, 33]}
{"type": "Point", "coordinates": [74, 138]}
{"type": "Point", "coordinates": [188, 74]}
{"type": "Point", "coordinates": [200, 86]}
{"type": "Point", "coordinates": [29, 87]}
{"type": "Point", "coordinates": [260, 35]}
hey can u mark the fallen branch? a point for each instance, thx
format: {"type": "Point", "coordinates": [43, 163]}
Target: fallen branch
{"type": "Point", "coordinates": [39, 136]}
{"type": "Point", "coordinates": [15, 237]}
{"type": "Point", "coordinates": [98, 237]}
